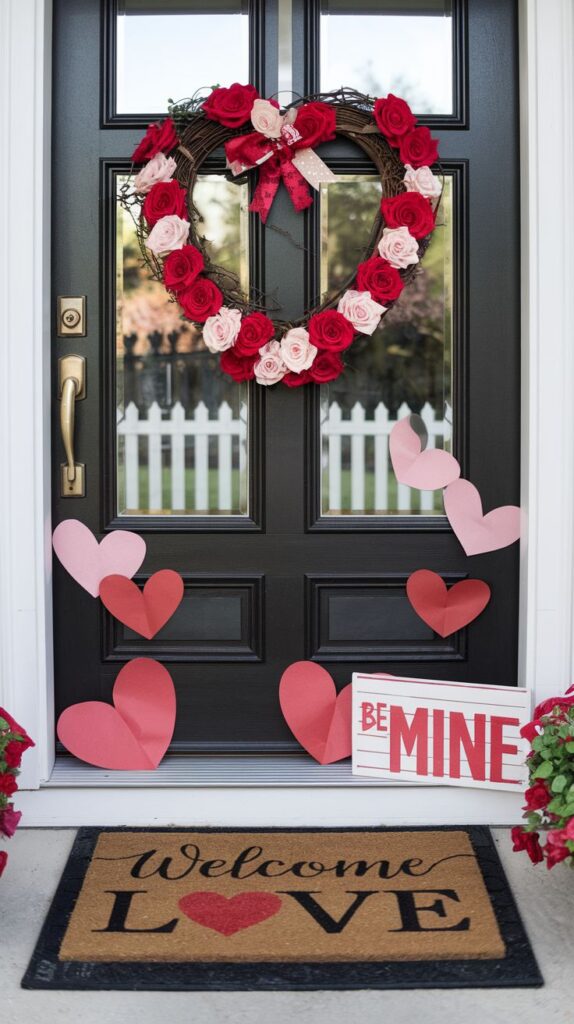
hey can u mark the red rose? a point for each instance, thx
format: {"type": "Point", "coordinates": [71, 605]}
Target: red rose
{"type": "Point", "coordinates": [418, 148]}
{"type": "Point", "coordinates": [530, 732]}
{"type": "Point", "coordinates": [200, 299]}
{"type": "Point", "coordinates": [316, 123]}
{"type": "Point", "coordinates": [181, 267]}
{"type": "Point", "coordinates": [165, 199]}
{"type": "Point", "coordinates": [555, 849]}
{"type": "Point", "coordinates": [547, 706]}
{"type": "Point", "coordinates": [255, 331]}
{"type": "Point", "coordinates": [9, 819]}
{"type": "Point", "coordinates": [13, 754]}
{"type": "Point", "coordinates": [295, 380]}
{"type": "Point", "coordinates": [394, 118]}
{"type": "Point", "coordinates": [409, 210]}
{"type": "Point", "coordinates": [330, 330]}
{"type": "Point", "coordinates": [8, 784]}
{"type": "Point", "coordinates": [13, 726]}
{"type": "Point", "coordinates": [529, 841]}
{"type": "Point", "coordinates": [238, 368]}
{"type": "Point", "coordinates": [536, 797]}
{"type": "Point", "coordinates": [326, 366]}
{"type": "Point", "coordinates": [231, 107]}
{"type": "Point", "coordinates": [159, 138]}
{"type": "Point", "coordinates": [3, 861]}
{"type": "Point", "coordinates": [377, 276]}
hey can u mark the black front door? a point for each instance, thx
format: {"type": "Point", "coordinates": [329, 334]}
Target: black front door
{"type": "Point", "coordinates": [278, 506]}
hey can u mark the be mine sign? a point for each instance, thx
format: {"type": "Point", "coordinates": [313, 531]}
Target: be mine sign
{"type": "Point", "coordinates": [421, 730]}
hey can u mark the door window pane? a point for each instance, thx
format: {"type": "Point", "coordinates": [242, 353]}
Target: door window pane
{"type": "Point", "coordinates": [169, 50]}
{"type": "Point", "coordinates": [404, 367]}
{"type": "Point", "coordinates": [182, 425]}
{"type": "Point", "coordinates": [382, 46]}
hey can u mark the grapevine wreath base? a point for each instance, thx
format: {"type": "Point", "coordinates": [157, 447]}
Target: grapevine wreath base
{"type": "Point", "coordinates": [277, 147]}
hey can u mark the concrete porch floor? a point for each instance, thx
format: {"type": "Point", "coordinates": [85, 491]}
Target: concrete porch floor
{"type": "Point", "coordinates": [545, 899]}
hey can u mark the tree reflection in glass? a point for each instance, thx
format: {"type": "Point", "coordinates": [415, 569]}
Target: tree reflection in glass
{"type": "Point", "coordinates": [405, 365]}
{"type": "Point", "coordinates": [381, 46]}
{"type": "Point", "coordinates": [181, 424]}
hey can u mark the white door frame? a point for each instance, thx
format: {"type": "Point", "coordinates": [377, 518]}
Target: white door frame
{"type": "Point", "coordinates": [26, 335]}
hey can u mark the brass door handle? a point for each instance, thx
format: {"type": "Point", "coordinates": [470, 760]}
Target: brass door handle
{"type": "Point", "coordinates": [67, 419]}
{"type": "Point", "coordinates": [72, 388]}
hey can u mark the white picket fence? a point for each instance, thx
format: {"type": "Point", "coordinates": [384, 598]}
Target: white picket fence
{"type": "Point", "coordinates": [358, 428]}
{"type": "Point", "coordinates": [359, 456]}
{"type": "Point", "coordinates": [175, 430]}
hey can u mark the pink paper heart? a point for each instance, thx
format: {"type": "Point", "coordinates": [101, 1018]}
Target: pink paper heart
{"type": "Point", "coordinates": [476, 532]}
{"type": "Point", "coordinates": [428, 469]}
{"type": "Point", "coordinates": [120, 552]}
{"type": "Point", "coordinates": [135, 733]}
{"type": "Point", "coordinates": [319, 719]}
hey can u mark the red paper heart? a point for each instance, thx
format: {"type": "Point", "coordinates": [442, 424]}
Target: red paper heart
{"type": "Point", "coordinates": [135, 733]}
{"type": "Point", "coordinates": [319, 719]}
{"type": "Point", "coordinates": [229, 915]}
{"type": "Point", "coordinates": [444, 610]}
{"type": "Point", "coordinates": [145, 611]}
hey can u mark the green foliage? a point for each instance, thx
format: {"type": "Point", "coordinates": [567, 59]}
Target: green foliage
{"type": "Point", "coordinates": [181, 110]}
{"type": "Point", "coordinates": [551, 764]}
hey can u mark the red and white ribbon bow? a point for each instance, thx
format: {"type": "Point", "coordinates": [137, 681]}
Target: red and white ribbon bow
{"type": "Point", "coordinates": [274, 154]}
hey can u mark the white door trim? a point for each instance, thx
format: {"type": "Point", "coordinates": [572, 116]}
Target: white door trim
{"type": "Point", "coordinates": [547, 576]}
{"type": "Point", "coordinates": [26, 680]}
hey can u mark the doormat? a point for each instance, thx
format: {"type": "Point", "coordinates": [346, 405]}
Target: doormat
{"type": "Point", "coordinates": [231, 909]}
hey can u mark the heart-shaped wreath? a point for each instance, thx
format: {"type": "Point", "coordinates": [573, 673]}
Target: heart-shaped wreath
{"type": "Point", "coordinates": [279, 146]}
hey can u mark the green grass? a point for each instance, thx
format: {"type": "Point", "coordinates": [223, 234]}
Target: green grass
{"type": "Point", "coordinates": [189, 491]}
{"type": "Point", "coordinates": [212, 488]}
{"type": "Point", "coordinates": [370, 495]}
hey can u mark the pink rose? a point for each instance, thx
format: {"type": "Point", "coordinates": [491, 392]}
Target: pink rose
{"type": "Point", "coordinates": [221, 330]}
{"type": "Point", "coordinates": [398, 247]}
{"type": "Point", "coordinates": [167, 234]}
{"type": "Point", "coordinates": [266, 119]}
{"type": "Point", "coordinates": [159, 168]}
{"type": "Point", "coordinates": [422, 180]}
{"type": "Point", "coordinates": [270, 368]}
{"type": "Point", "coordinates": [361, 310]}
{"type": "Point", "coordinates": [296, 350]}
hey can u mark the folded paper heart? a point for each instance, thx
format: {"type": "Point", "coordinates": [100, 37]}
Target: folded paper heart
{"type": "Point", "coordinates": [444, 610]}
{"type": "Point", "coordinates": [319, 719]}
{"type": "Point", "coordinates": [135, 732]}
{"type": "Point", "coordinates": [145, 611]}
{"type": "Point", "coordinates": [428, 469]}
{"type": "Point", "coordinates": [229, 915]}
{"type": "Point", "coordinates": [476, 532]}
{"type": "Point", "coordinates": [120, 552]}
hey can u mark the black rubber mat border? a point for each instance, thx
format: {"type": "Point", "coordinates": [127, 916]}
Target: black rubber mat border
{"type": "Point", "coordinates": [518, 969]}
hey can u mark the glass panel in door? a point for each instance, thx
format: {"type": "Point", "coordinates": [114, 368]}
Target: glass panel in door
{"type": "Point", "coordinates": [180, 46]}
{"type": "Point", "coordinates": [182, 425]}
{"type": "Point", "coordinates": [404, 367]}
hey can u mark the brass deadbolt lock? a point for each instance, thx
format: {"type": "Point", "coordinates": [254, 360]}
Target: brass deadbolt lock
{"type": "Point", "coordinates": [71, 316]}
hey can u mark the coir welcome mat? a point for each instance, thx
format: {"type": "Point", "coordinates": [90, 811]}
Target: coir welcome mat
{"type": "Point", "coordinates": [282, 909]}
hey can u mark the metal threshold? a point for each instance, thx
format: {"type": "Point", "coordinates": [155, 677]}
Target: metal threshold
{"type": "Point", "coordinates": [223, 771]}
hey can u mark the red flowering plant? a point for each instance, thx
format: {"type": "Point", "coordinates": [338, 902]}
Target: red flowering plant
{"type": "Point", "coordinates": [14, 741]}
{"type": "Point", "coordinates": [549, 807]}
{"type": "Point", "coordinates": [277, 147]}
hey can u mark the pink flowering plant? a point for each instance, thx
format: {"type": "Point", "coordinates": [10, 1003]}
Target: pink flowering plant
{"type": "Point", "coordinates": [14, 741]}
{"type": "Point", "coordinates": [549, 807]}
